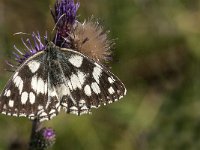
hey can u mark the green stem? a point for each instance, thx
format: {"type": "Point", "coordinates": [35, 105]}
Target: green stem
{"type": "Point", "coordinates": [35, 128]}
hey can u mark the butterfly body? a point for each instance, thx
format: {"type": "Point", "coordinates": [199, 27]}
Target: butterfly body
{"type": "Point", "coordinates": [55, 79]}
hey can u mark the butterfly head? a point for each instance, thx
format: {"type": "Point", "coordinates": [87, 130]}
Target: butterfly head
{"type": "Point", "coordinates": [50, 45]}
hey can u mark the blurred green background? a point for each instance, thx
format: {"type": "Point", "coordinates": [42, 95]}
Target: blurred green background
{"type": "Point", "coordinates": [157, 56]}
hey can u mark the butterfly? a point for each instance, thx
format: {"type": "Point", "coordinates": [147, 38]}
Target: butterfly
{"type": "Point", "coordinates": [55, 79]}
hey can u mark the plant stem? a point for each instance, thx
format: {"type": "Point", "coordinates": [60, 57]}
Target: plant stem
{"type": "Point", "coordinates": [35, 128]}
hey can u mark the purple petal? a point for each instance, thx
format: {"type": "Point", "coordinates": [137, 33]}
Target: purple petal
{"type": "Point", "coordinates": [67, 7]}
{"type": "Point", "coordinates": [18, 50]}
{"type": "Point", "coordinates": [49, 133]}
{"type": "Point", "coordinates": [31, 47]}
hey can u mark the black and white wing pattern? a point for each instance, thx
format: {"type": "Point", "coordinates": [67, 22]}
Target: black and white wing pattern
{"type": "Point", "coordinates": [59, 78]}
{"type": "Point", "coordinates": [30, 92]}
{"type": "Point", "coordinates": [90, 83]}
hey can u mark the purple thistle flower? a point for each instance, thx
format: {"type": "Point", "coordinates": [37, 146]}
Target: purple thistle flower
{"type": "Point", "coordinates": [49, 134]}
{"type": "Point", "coordinates": [31, 48]}
{"type": "Point", "coordinates": [65, 12]}
{"type": "Point", "coordinates": [43, 138]}
{"type": "Point", "coordinates": [65, 17]}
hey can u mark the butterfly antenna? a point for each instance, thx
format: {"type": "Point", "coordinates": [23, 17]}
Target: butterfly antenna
{"type": "Point", "coordinates": [46, 38]}
{"type": "Point", "coordinates": [57, 22]}
{"type": "Point", "coordinates": [21, 33]}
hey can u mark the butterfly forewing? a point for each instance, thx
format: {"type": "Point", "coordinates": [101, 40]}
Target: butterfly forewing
{"type": "Point", "coordinates": [29, 91]}
{"type": "Point", "coordinates": [59, 78]}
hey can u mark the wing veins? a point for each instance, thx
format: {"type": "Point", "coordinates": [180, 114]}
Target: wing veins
{"type": "Point", "coordinates": [65, 82]}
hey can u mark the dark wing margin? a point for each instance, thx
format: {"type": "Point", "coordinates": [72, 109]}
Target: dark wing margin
{"type": "Point", "coordinates": [29, 93]}
{"type": "Point", "coordinates": [90, 83]}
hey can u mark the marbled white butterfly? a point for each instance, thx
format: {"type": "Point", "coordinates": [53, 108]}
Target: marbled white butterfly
{"type": "Point", "coordinates": [55, 79]}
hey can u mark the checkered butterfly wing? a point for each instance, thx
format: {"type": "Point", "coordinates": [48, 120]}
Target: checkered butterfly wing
{"type": "Point", "coordinates": [30, 92]}
{"type": "Point", "coordinates": [90, 83]}
{"type": "Point", "coordinates": [58, 78]}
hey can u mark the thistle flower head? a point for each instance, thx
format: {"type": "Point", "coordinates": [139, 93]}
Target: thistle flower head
{"type": "Point", "coordinates": [90, 39]}
{"type": "Point", "coordinates": [65, 17]}
{"type": "Point", "coordinates": [49, 134]}
{"type": "Point", "coordinates": [31, 47]}
{"type": "Point", "coordinates": [43, 139]}
{"type": "Point", "coordinates": [65, 12]}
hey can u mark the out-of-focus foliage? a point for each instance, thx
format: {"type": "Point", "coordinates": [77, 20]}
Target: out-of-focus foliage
{"type": "Point", "coordinates": [157, 55]}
